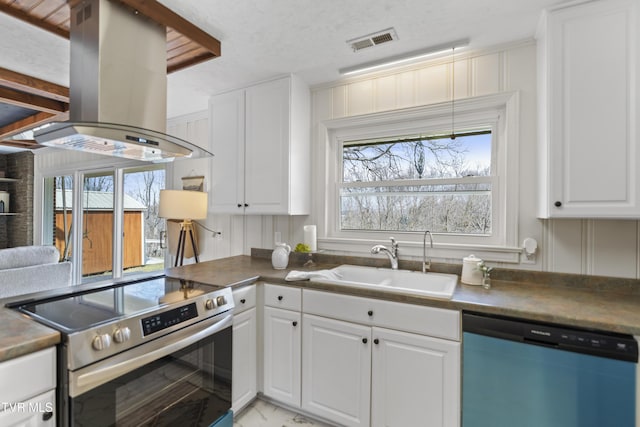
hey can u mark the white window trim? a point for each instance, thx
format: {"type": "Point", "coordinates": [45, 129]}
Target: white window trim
{"type": "Point", "coordinates": [501, 109]}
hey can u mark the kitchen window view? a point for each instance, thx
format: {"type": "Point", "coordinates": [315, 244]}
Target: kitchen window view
{"type": "Point", "coordinates": [140, 225]}
{"type": "Point", "coordinates": [417, 183]}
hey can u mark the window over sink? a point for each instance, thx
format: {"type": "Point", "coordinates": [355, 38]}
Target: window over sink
{"type": "Point", "coordinates": [398, 173]}
{"type": "Point", "coordinates": [418, 182]}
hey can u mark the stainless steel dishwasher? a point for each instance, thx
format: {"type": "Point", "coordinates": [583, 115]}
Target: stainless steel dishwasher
{"type": "Point", "coordinates": [529, 374]}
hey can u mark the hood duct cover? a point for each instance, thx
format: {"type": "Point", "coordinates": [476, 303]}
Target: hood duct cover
{"type": "Point", "coordinates": [118, 87]}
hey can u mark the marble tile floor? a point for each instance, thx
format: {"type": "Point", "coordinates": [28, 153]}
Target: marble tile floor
{"type": "Point", "coordinates": [264, 414]}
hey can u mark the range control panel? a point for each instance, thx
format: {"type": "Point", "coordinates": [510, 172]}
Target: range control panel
{"type": "Point", "coordinates": [169, 318]}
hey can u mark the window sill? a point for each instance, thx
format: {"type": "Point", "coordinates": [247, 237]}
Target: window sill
{"type": "Point", "coordinates": [443, 252]}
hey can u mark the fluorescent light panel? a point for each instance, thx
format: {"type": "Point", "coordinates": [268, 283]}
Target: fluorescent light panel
{"type": "Point", "coordinates": [405, 57]}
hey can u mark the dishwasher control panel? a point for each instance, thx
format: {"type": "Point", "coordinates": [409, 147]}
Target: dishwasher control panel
{"type": "Point", "coordinates": [597, 343]}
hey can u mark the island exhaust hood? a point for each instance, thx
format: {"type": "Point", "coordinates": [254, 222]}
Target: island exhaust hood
{"type": "Point", "coordinates": [118, 87]}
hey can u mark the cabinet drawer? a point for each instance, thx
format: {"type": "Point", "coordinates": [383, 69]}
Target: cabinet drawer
{"type": "Point", "coordinates": [35, 412]}
{"type": "Point", "coordinates": [432, 321]}
{"type": "Point", "coordinates": [244, 298]}
{"type": "Point", "coordinates": [28, 375]}
{"type": "Point", "coordinates": [283, 297]}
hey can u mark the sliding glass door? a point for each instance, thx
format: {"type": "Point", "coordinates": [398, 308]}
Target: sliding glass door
{"type": "Point", "coordinates": [110, 217]}
{"type": "Point", "coordinates": [143, 230]}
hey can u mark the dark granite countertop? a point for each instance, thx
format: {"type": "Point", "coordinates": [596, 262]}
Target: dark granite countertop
{"type": "Point", "coordinates": [591, 302]}
{"type": "Point", "coordinates": [564, 299]}
{"type": "Point", "coordinates": [19, 335]}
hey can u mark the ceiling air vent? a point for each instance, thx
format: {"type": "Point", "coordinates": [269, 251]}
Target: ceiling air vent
{"type": "Point", "coordinates": [374, 39]}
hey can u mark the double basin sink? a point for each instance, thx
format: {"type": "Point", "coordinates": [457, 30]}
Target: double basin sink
{"type": "Point", "coordinates": [434, 285]}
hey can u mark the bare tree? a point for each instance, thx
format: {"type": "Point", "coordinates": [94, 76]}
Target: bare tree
{"type": "Point", "coordinates": [447, 208]}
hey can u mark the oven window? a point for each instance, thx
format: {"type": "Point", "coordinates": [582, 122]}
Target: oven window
{"type": "Point", "coordinates": [191, 387]}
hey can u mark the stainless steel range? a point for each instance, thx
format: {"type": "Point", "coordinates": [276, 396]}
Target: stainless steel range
{"type": "Point", "coordinates": [152, 352]}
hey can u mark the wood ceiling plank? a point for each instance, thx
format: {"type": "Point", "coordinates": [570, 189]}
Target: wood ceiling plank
{"type": "Point", "coordinates": [33, 85]}
{"type": "Point", "coordinates": [30, 19]}
{"type": "Point", "coordinates": [34, 102]}
{"type": "Point", "coordinates": [165, 16]}
{"type": "Point", "coordinates": [45, 9]}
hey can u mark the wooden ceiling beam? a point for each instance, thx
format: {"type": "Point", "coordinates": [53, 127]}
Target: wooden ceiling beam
{"type": "Point", "coordinates": [165, 16]}
{"type": "Point", "coordinates": [193, 60]}
{"type": "Point", "coordinates": [31, 101]}
{"type": "Point", "coordinates": [33, 20]}
{"type": "Point", "coordinates": [31, 122]}
{"type": "Point", "coordinates": [29, 144]}
{"type": "Point", "coordinates": [33, 85]}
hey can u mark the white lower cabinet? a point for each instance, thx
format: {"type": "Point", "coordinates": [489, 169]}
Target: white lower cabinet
{"type": "Point", "coordinates": [35, 412]}
{"type": "Point", "coordinates": [358, 371]}
{"type": "Point", "coordinates": [336, 375]}
{"type": "Point", "coordinates": [245, 361]}
{"type": "Point", "coordinates": [415, 380]}
{"type": "Point", "coordinates": [282, 344]}
{"type": "Point", "coordinates": [27, 390]}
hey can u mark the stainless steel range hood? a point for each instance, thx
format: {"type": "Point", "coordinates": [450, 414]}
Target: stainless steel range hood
{"type": "Point", "coordinates": [118, 87]}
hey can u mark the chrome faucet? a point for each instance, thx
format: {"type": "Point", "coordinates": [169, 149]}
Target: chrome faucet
{"type": "Point", "coordinates": [392, 254]}
{"type": "Point", "coordinates": [426, 265]}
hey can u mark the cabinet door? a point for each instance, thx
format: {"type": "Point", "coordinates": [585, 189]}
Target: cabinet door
{"type": "Point", "coordinates": [227, 145]}
{"type": "Point", "coordinates": [282, 355]}
{"type": "Point", "coordinates": [415, 380]}
{"type": "Point", "coordinates": [336, 376]}
{"type": "Point", "coordinates": [267, 147]}
{"type": "Point", "coordinates": [589, 58]}
{"type": "Point", "coordinates": [36, 412]}
{"type": "Point", "coordinates": [244, 359]}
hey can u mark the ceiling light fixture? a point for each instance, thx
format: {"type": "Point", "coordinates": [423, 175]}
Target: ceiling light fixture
{"type": "Point", "coordinates": [405, 57]}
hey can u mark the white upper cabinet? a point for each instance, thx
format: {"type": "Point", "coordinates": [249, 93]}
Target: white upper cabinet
{"type": "Point", "coordinates": [588, 92]}
{"type": "Point", "coordinates": [261, 143]}
{"type": "Point", "coordinates": [227, 139]}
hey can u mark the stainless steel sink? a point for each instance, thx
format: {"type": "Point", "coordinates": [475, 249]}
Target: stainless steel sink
{"type": "Point", "coordinates": [435, 285]}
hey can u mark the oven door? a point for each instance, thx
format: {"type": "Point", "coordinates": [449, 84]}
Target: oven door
{"type": "Point", "coordinates": [183, 379]}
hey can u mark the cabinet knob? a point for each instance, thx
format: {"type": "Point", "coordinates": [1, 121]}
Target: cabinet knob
{"type": "Point", "coordinates": [246, 205]}
{"type": "Point", "coordinates": [280, 297]}
{"type": "Point", "coordinates": [295, 323]}
{"type": "Point", "coordinates": [243, 300]}
{"type": "Point", "coordinates": [376, 341]}
{"type": "Point", "coordinates": [557, 204]}
{"type": "Point", "coordinates": [370, 313]}
{"type": "Point", "coordinates": [239, 205]}
{"type": "Point", "coordinates": [47, 416]}
{"type": "Point", "coordinates": [364, 340]}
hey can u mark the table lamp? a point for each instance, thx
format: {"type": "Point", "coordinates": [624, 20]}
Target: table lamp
{"type": "Point", "coordinates": [185, 206]}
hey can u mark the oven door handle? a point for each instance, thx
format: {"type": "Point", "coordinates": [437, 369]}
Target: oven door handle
{"type": "Point", "coordinates": [93, 376]}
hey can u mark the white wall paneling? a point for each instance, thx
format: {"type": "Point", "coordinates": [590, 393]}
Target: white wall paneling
{"type": "Point", "coordinates": [573, 246]}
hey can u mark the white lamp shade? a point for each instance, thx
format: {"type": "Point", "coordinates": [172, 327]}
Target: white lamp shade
{"type": "Point", "coordinates": [182, 204]}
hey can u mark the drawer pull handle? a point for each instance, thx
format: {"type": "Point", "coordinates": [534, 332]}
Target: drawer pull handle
{"type": "Point", "coordinates": [370, 313]}
{"type": "Point", "coordinates": [295, 323]}
{"type": "Point", "coordinates": [376, 341]}
{"type": "Point", "coordinates": [364, 340]}
{"type": "Point", "coordinates": [243, 300]}
{"type": "Point", "coordinates": [280, 297]}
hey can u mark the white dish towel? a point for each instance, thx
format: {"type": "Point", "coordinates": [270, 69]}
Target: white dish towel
{"type": "Point", "coordinates": [306, 275]}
